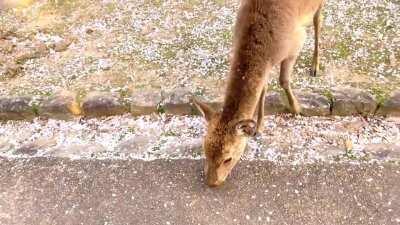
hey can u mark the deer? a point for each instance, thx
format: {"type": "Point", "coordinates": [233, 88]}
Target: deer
{"type": "Point", "coordinates": [266, 33]}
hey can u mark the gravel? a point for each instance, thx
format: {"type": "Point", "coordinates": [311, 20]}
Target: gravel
{"type": "Point", "coordinates": [287, 139]}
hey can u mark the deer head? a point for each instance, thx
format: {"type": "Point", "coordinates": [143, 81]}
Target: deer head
{"type": "Point", "coordinates": [223, 143]}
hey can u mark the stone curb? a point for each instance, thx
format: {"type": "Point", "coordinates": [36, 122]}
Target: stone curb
{"type": "Point", "coordinates": [67, 105]}
{"type": "Point", "coordinates": [391, 106]}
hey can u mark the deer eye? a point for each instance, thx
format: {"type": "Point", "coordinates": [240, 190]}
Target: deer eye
{"type": "Point", "coordinates": [228, 160]}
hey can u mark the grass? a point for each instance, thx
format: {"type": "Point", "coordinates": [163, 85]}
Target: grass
{"type": "Point", "coordinates": [328, 93]}
{"type": "Point", "coordinates": [380, 93]}
{"type": "Point", "coordinates": [80, 96]}
{"type": "Point", "coordinates": [160, 109]}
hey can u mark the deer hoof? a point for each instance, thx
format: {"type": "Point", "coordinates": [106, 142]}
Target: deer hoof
{"type": "Point", "coordinates": [296, 109]}
{"type": "Point", "coordinates": [313, 72]}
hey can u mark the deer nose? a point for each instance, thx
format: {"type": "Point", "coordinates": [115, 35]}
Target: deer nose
{"type": "Point", "coordinates": [214, 183]}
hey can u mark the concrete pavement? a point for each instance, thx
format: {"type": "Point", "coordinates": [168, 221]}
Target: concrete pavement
{"type": "Point", "coordinates": [60, 191]}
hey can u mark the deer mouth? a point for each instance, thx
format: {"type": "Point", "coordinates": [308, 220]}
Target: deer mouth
{"type": "Point", "coordinates": [214, 184]}
{"type": "Point", "coordinates": [213, 181]}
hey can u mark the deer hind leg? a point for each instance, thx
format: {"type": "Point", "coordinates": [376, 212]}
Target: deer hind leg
{"type": "Point", "coordinates": [317, 32]}
{"type": "Point", "coordinates": [287, 68]}
{"type": "Point", "coordinates": [284, 80]}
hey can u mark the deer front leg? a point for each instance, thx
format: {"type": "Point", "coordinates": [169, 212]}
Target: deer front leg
{"type": "Point", "coordinates": [284, 80]}
{"type": "Point", "coordinates": [317, 31]}
{"type": "Point", "coordinates": [260, 113]}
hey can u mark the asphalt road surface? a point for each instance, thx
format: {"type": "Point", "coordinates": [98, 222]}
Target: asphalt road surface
{"type": "Point", "coordinates": [61, 191]}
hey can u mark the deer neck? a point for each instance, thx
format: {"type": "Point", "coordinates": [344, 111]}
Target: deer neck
{"type": "Point", "coordinates": [246, 82]}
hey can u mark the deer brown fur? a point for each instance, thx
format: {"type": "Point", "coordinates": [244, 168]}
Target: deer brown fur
{"type": "Point", "coordinates": [267, 33]}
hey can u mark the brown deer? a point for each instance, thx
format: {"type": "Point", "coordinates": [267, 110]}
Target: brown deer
{"type": "Point", "coordinates": [267, 33]}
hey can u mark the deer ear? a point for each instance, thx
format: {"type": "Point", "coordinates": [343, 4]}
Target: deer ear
{"type": "Point", "coordinates": [203, 108]}
{"type": "Point", "coordinates": [246, 127]}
